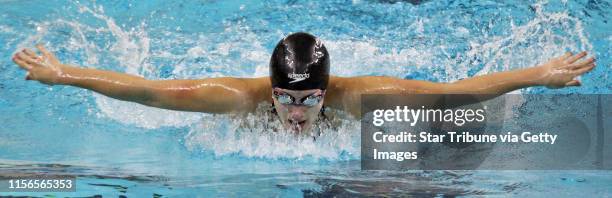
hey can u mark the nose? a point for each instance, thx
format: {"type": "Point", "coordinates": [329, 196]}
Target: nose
{"type": "Point", "coordinates": [296, 113]}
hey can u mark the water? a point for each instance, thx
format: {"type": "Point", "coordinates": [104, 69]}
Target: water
{"type": "Point", "coordinates": [120, 148]}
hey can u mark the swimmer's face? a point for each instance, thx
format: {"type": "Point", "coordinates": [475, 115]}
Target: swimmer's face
{"type": "Point", "coordinates": [298, 117]}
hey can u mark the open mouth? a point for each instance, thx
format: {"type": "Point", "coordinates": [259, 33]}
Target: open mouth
{"type": "Point", "coordinates": [297, 125]}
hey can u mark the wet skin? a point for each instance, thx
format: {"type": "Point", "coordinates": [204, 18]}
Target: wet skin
{"type": "Point", "coordinates": [243, 95]}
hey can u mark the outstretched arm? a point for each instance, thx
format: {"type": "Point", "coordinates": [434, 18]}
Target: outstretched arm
{"type": "Point", "coordinates": [557, 73]}
{"type": "Point", "coordinates": [214, 95]}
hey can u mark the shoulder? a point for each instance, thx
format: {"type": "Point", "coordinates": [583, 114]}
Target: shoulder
{"type": "Point", "coordinates": [257, 90]}
{"type": "Point", "coordinates": [344, 93]}
{"type": "Point", "coordinates": [249, 92]}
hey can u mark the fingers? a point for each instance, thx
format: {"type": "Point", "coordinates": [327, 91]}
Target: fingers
{"type": "Point", "coordinates": [28, 59]}
{"type": "Point", "coordinates": [31, 61]}
{"type": "Point", "coordinates": [21, 63]}
{"type": "Point", "coordinates": [587, 61]}
{"type": "Point", "coordinates": [44, 51]}
{"type": "Point", "coordinates": [584, 69]}
{"type": "Point", "coordinates": [566, 55]}
{"type": "Point", "coordinates": [573, 83]}
{"type": "Point", "coordinates": [576, 57]}
{"type": "Point", "coordinates": [29, 52]}
{"type": "Point", "coordinates": [19, 60]}
{"type": "Point", "coordinates": [581, 64]}
{"type": "Point", "coordinates": [33, 55]}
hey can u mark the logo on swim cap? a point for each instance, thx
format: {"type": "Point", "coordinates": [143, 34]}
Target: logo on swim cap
{"type": "Point", "coordinates": [298, 77]}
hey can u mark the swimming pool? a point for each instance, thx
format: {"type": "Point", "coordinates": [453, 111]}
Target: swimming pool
{"type": "Point", "coordinates": [121, 148]}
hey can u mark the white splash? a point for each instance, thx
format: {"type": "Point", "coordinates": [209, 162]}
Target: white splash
{"type": "Point", "coordinates": [504, 53]}
{"type": "Point", "coordinates": [225, 136]}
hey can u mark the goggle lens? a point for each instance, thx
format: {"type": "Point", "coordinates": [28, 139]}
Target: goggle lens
{"type": "Point", "coordinates": [287, 99]}
{"type": "Point", "coordinates": [284, 99]}
{"type": "Point", "coordinates": [311, 100]}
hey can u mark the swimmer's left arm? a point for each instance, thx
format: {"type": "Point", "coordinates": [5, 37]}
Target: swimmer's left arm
{"type": "Point", "coordinates": [559, 72]}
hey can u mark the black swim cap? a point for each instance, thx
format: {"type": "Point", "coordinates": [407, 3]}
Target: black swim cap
{"type": "Point", "coordinates": [299, 62]}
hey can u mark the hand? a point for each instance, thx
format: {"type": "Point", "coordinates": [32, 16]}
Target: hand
{"type": "Point", "coordinates": [562, 71]}
{"type": "Point", "coordinates": [45, 69]}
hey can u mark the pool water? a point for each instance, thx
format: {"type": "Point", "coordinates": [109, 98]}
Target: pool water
{"type": "Point", "coordinates": [121, 148]}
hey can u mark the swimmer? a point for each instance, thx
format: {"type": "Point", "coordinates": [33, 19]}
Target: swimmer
{"type": "Point", "coordinates": [298, 87]}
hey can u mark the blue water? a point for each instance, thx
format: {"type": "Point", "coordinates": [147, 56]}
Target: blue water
{"type": "Point", "coordinates": [121, 148]}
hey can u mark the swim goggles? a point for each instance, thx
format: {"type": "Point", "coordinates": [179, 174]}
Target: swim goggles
{"type": "Point", "coordinates": [308, 101]}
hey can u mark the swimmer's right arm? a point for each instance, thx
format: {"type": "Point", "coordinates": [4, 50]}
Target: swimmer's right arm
{"type": "Point", "coordinates": [213, 95]}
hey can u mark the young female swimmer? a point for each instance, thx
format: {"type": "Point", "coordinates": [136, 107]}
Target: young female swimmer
{"type": "Point", "coordinates": [298, 87]}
